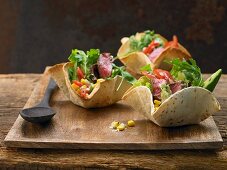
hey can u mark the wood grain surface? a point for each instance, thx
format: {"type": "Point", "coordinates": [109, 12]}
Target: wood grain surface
{"type": "Point", "coordinates": [74, 127]}
{"type": "Point", "coordinates": [13, 99]}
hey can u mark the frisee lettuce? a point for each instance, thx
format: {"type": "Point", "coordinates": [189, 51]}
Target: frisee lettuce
{"type": "Point", "coordinates": [187, 71]}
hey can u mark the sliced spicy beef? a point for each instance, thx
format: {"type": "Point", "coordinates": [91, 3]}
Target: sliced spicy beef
{"type": "Point", "coordinates": [176, 87]}
{"type": "Point", "coordinates": [155, 53]}
{"type": "Point", "coordinates": [105, 65]}
{"type": "Point", "coordinates": [94, 73]}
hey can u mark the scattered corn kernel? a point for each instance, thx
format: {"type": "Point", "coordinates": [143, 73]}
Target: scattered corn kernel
{"type": "Point", "coordinates": [114, 125]}
{"type": "Point", "coordinates": [131, 123]}
{"type": "Point", "coordinates": [75, 87]}
{"type": "Point", "coordinates": [157, 102]}
{"type": "Point", "coordinates": [121, 127]}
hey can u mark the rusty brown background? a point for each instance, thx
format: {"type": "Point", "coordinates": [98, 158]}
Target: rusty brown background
{"type": "Point", "coordinates": [37, 33]}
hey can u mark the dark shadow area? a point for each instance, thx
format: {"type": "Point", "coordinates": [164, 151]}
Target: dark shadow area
{"type": "Point", "coordinates": [35, 34]}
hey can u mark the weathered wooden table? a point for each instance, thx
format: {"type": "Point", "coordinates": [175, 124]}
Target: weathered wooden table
{"type": "Point", "coordinates": [15, 89]}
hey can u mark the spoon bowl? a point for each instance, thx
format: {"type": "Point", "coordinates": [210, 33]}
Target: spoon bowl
{"type": "Point", "coordinates": [37, 114]}
{"type": "Point", "coordinates": [42, 112]}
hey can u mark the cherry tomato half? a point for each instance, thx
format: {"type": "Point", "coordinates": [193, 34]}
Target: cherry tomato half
{"type": "Point", "coordinates": [173, 43]}
{"type": "Point", "coordinates": [80, 74]}
{"type": "Point", "coordinates": [77, 83]}
{"type": "Point", "coordinates": [162, 74]}
{"type": "Point", "coordinates": [149, 49]}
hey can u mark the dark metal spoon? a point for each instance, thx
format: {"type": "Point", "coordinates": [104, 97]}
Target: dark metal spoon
{"type": "Point", "coordinates": [42, 112]}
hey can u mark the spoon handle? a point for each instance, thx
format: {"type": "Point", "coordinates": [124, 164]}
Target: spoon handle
{"type": "Point", "coordinates": [51, 86]}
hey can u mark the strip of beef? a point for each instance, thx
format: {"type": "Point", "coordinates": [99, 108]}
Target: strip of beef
{"type": "Point", "coordinates": [176, 87]}
{"type": "Point", "coordinates": [105, 65]}
{"type": "Point", "coordinates": [94, 73]}
{"type": "Point", "coordinates": [155, 54]}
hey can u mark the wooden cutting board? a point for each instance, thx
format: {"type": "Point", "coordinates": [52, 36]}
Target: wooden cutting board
{"type": "Point", "coordinates": [74, 127]}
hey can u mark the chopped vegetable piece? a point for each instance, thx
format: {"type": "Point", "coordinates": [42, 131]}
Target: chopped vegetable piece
{"type": "Point", "coordinates": [212, 81]}
{"type": "Point", "coordinates": [143, 81]}
{"type": "Point", "coordinates": [131, 123]}
{"type": "Point", "coordinates": [77, 83]}
{"type": "Point", "coordinates": [173, 43]}
{"type": "Point", "coordinates": [165, 92]}
{"type": "Point", "coordinates": [162, 74]}
{"type": "Point", "coordinates": [149, 49]}
{"type": "Point", "coordinates": [75, 87]}
{"type": "Point", "coordinates": [80, 74]}
{"type": "Point", "coordinates": [85, 81]}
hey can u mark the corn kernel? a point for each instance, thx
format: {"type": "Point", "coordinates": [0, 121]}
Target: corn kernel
{"type": "Point", "coordinates": [114, 125]}
{"type": "Point", "coordinates": [121, 127]}
{"type": "Point", "coordinates": [74, 86]}
{"type": "Point", "coordinates": [157, 102]}
{"type": "Point", "coordinates": [83, 87]}
{"type": "Point", "coordinates": [83, 81]}
{"type": "Point", "coordinates": [78, 91]}
{"type": "Point", "coordinates": [156, 108]}
{"type": "Point", "coordinates": [131, 123]}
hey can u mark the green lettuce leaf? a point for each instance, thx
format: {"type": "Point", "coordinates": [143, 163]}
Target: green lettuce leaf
{"type": "Point", "coordinates": [121, 71]}
{"type": "Point", "coordinates": [83, 60]}
{"type": "Point", "coordinates": [165, 92]}
{"type": "Point", "coordinates": [146, 68]}
{"type": "Point", "coordinates": [138, 45]}
{"type": "Point", "coordinates": [187, 71]}
{"type": "Point", "coordinates": [146, 39]}
{"type": "Point", "coordinates": [93, 55]}
{"type": "Point", "coordinates": [143, 81]}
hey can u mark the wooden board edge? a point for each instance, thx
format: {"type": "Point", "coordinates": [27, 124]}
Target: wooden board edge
{"type": "Point", "coordinates": [116, 146]}
{"type": "Point", "coordinates": [219, 137]}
